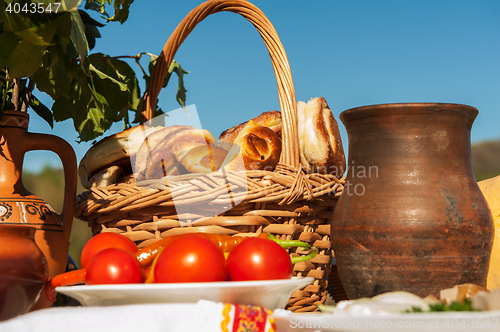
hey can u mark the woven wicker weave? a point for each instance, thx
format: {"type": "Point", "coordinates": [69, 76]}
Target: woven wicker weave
{"type": "Point", "coordinates": [285, 202]}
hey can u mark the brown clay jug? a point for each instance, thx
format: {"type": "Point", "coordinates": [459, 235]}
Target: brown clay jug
{"type": "Point", "coordinates": [411, 216]}
{"type": "Point", "coordinates": [19, 206]}
{"type": "Point", "coordinates": [23, 270]}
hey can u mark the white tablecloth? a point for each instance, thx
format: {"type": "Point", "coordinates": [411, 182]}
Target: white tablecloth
{"type": "Point", "coordinates": [203, 316]}
{"type": "Point", "coordinates": [206, 316]}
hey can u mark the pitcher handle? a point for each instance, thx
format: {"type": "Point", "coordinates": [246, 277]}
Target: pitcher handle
{"type": "Point", "coordinates": [67, 155]}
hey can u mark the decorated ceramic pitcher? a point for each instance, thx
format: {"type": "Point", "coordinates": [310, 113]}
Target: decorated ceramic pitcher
{"type": "Point", "coordinates": [20, 207]}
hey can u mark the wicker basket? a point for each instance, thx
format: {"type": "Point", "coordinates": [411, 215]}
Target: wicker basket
{"type": "Point", "coordinates": [285, 202]}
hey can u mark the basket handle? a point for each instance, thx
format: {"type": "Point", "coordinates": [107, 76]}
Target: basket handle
{"type": "Point", "coordinates": [286, 90]}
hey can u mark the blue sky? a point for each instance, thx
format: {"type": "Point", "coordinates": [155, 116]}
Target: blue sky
{"type": "Point", "coordinates": [353, 53]}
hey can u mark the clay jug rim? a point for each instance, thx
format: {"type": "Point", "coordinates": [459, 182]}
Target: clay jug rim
{"type": "Point", "coordinates": [378, 109]}
{"type": "Point", "coordinates": [15, 113]}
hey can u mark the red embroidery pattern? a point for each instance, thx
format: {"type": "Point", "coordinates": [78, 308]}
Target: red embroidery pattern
{"type": "Point", "coordinates": [249, 318]}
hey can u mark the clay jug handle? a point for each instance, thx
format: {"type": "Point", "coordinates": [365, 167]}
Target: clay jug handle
{"type": "Point", "coordinates": [67, 155]}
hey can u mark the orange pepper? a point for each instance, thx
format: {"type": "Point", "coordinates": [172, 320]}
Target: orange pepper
{"type": "Point", "coordinates": [226, 242]}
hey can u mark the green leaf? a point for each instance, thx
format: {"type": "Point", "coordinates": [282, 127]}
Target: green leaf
{"type": "Point", "coordinates": [24, 60]}
{"type": "Point", "coordinates": [37, 32]}
{"type": "Point", "coordinates": [65, 5]}
{"type": "Point", "coordinates": [175, 67]}
{"type": "Point", "coordinates": [65, 108]}
{"type": "Point", "coordinates": [36, 28]}
{"type": "Point", "coordinates": [69, 5]}
{"type": "Point", "coordinates": [84, 107]}
{"type": "Point", "coordinates": [78, 36]}
{"type": "Point", "coordinates": [89, 20]}
{"type": "Point", "coordinates": [97, 7]}
{"type": "Point", "coordinates": [158, 111]}
{"type": "Point", "coordinates": [89, 128]}
{"type": "Point", "coordinates": [181, 90]}
{"type": "Point", "coordinates": [100, 74]}
{"type": "Point", "coordinates": [97, 100]}
{"type": "Point", "coordinates": [42, 111]}
{"type": "Point", "coordinates": [91, 30]}
{"type": "Point", "coordinates": [3, 14]}
{"type": "Point", "coordinates": [40, 35]}
{"type": "Point", "coordinates": [9, 41]}
{"type": "Point", "coordinates": [122, 8]}
{"type": "Point", "coordinates": [54, 78]}
{"type": "Point", "coordinates": [152, 62]}
{"type": "Point", "coordinates": [117, 71]}
{"type": "Point", "coordinates": [64, 27]}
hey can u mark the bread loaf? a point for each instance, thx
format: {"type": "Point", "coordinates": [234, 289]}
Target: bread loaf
{"type": "Point", "coordinates": [320, 145]}
{"type": "Point", "coordinates": [199, 157]}
{"type": "Point", "coordinates": [260, 146]}
{"type": "Point", "coordinates": [161, 160]}
{"type": "Point", "coordinates": [271, 119]}
{"type": "Point", "coordinates": [106, 177]}
{"type": "Point", "coordinates": [149, 143]}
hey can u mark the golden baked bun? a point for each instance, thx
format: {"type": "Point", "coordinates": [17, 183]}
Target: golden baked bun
{"type": "Point", "coordinates": [260, 146]}
{"type": "Point", "coordinates": [271, 119]}
{"type": "Point", "coordinates": [114, 150]}
{"type": "Point", "coordinates": [320, 144]}
{"type": "Point", "coordinates": [199, 157]}
{"type": "Point", "coordinates": [106, 177]}
{"type": "Point", "coordinates": [161, 160]}
{"type": "Point", "coordinates": [150, 142]}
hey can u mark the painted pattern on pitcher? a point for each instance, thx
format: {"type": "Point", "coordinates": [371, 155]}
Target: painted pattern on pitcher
{"type": "Point", "coordinates": [19, 211]}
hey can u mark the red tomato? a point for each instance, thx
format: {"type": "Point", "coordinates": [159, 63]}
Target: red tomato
{"type": "Point", "coordinates": [103, 241]}
{"type": "Point", "coordinates": [258, 259]}
{"type": "Point", "coordinates": [190, 258]}
{"type": "Point", "coordinates": [114, 266]}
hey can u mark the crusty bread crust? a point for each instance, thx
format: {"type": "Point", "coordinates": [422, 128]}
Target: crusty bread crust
{"type": "Point", "coordinates": [261, 149]}
{"type": "Point", "coordinates": [199, 157]}
{"type": "Point", "coordinates": [161, 159]}
{"type": "Point", "coordinates": [260, 146]}
{"type": "Point", "coordinates": [106, 176]}
{"type": "Point", "coordinates": [150, 143]}
{"type": "Point", "coordinates": [112, 150]}
{"type": "Point", "coordinates": [321, 149]}
{"type": "Point", "coordinates": [271, 119]}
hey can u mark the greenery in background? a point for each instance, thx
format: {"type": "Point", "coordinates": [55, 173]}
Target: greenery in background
{"type": "Point", "coordinates": [48, 50]}
{"type": "Point", "coordinates": [49, 185]}
{"type": "Point", "coordinates": [486, 159]}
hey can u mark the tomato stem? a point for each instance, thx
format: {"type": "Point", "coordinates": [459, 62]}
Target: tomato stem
{"type": "Point", "coordinates": [306, 257]}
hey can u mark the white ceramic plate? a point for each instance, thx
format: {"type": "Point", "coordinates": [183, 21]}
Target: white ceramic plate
{"type": "Point", "coordinates": [270, 294]}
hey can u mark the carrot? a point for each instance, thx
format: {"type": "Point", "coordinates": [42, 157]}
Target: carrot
{"type": "Point", "coordinates": [65, 279]}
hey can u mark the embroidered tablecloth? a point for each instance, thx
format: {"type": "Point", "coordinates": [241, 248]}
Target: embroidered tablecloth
{"type": "Point", "coordinates": [203, 316]}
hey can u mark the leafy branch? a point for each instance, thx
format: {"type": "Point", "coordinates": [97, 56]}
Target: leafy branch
{"type": "Point", "coordinates": [49, 51]}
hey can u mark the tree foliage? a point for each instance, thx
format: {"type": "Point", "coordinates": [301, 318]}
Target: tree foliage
{"type": "Point", "coordinates": [49, 49]}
